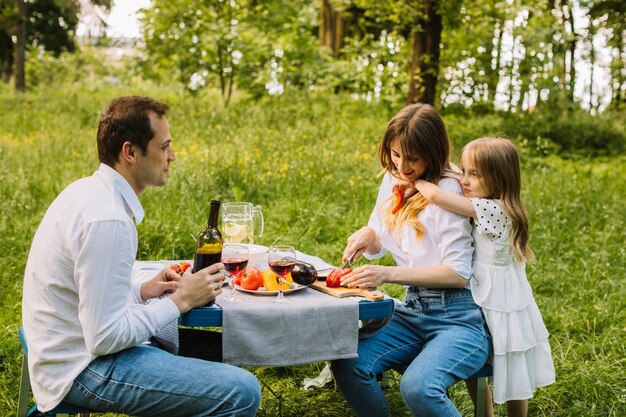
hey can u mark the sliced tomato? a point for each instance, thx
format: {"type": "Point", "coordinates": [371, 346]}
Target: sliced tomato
{"type": "Point", "coordinates": [333, 279]}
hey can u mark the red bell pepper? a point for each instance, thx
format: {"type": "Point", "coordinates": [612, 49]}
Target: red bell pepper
{"type": "Point", "coordinates": [398, 199]}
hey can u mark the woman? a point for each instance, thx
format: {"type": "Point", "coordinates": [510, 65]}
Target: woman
{"type": "Point", "coordinates": [438, 335]}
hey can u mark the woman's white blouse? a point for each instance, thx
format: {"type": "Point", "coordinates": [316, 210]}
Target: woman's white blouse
{"type": "Point", "coordinates": [447, 240]}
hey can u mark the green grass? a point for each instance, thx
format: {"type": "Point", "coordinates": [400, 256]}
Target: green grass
{"type": "Point", "coordinates": [310, 163]}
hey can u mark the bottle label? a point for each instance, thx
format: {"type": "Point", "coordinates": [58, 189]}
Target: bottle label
{"type": "Point", "coordinates": [210, 248]}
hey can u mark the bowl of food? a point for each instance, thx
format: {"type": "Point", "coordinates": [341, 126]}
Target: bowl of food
{"type": "Point", "coordinates": [257, 256]}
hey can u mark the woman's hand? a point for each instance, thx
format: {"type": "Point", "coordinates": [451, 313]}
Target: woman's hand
{"type": "Point", "coordinates": [363, 240]}
{"type": "Point", "coordinates": [367, 276]}
{"type": "Point", "coordinates": [165, 281]}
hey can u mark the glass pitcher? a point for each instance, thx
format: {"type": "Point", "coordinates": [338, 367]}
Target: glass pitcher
{"type": "Point", "coordinates": [238, 222]}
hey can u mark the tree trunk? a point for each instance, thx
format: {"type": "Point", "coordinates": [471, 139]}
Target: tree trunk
{"type": "Point", "coordinates": [524, 94]}
{"type": "Point", "coordinates": [509, 71]}
{"type": "Point", "coordinates": [568, 13]}
{"type": "Point", "coordinates": [6, 57]}
{"type": "Point", "coordinates": [592, 58]}
{"type": "Point", "coordinates": [618, 78]}
{"type": "Point", "coordinates": [231, 81]}
{"type": "Point", "coordinates": [20, 51]}
{"type": "Point", "coordinates": [493, 72]}
{"type": "Point", "coordinates": [220, 68]}
{"type": "Point", "coordinates": [332, 27]}
{"type": "Point", "coordinates": [567, 80]}
{"type": "Point", "coordinates": [425, 60]}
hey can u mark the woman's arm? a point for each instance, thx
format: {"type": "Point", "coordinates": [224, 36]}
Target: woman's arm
{"type": "Point", "coordinates": [450, 201]}
{"type": "Point", "coordinates": [436, 276]}
{"type": "Point", "coordinates": [366, 241]}
{"type": "Point", "coordinates": [454, 243]}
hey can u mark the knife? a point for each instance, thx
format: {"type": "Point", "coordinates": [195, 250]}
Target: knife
{"type": "Point", "coordinates": [348, 262]}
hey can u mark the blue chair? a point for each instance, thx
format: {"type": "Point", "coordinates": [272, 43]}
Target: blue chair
{"type": "Point", "coordinates": [481, 390]}
{"type": "Point", "coordinates": [62, 410]}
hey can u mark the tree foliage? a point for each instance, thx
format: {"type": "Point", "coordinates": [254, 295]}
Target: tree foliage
{"type": "Point", "coordinates": [610, 16]}
{"type": "Point", "coordinates": [46, 25]}
{"type": "Point", "coordinates": [509, 55]}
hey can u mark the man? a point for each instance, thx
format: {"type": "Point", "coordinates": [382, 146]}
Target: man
{"type": "Point", "coordinates": [86, 324]}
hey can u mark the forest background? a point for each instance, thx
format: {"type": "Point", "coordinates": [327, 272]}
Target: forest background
{"type": "Point", "coordinates": [282, 103]}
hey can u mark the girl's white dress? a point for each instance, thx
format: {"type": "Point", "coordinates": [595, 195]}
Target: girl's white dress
{"type": "Point", "coordinates": [522, 360]}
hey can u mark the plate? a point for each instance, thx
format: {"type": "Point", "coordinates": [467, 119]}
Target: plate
{"type": "Point", "coordinates": [261, 291]}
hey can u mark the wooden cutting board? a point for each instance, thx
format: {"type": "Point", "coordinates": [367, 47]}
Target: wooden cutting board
{"type": "Point", "coordinates": [348, 292]}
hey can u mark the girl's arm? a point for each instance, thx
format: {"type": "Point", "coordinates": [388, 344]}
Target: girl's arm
{"type": "Point", "coordinates": [449, 201]}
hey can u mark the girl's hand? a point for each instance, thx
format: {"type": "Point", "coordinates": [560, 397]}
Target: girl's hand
{"type": "Point", "coordinates": [165, 281]}
{"type": "Point", "coordinates": [366, 276]}
{"type": "Point", "coordinates": [363, 240]}
{"type": "Point", "coordinates": [407, 188]}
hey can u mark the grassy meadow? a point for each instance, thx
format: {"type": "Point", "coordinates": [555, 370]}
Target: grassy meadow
{"type": "Point", "coordinates": [310, 162]}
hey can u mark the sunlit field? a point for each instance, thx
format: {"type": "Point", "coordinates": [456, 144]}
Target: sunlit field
{"type": "Point", "coordinates": [310, 163]}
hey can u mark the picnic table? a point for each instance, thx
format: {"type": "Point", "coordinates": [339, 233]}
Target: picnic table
{"type": "Point", "coordinates": [314, 327]}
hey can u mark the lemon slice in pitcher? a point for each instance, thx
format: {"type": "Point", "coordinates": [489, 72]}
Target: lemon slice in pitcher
{"type": "Point", "coordinates": [234, 232]}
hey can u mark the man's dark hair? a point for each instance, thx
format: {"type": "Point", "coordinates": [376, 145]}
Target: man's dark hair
{"type": "Point", "coordinates": [126, 119]}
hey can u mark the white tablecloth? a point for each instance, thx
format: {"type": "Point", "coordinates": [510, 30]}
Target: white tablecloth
{"type": "Point", "coordinates": [314, 327]}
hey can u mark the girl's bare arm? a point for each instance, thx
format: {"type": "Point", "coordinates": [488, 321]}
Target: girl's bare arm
{"type": "Point", "coordinates": [449, 201]}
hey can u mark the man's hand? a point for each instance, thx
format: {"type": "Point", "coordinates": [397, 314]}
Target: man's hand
{"type": "Point", "coordinates": [196, 290]}
{"type": "Point", "coordinates": [165, 281]}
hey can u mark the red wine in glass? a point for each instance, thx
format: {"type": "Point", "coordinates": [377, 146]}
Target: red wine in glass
{"type": "Point", "coordinates": [235, 265]}
{"type": "Point", "coordinates": [282, 267]}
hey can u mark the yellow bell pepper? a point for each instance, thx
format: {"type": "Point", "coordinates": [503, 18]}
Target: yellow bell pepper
{"type": "Point", "coordinates": [270, 283]}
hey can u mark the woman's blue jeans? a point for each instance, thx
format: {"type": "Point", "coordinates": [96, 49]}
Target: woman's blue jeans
{"type": "Point", "coordinates": [433, 341]}
{"type": "Point", "coordinates": [147, 381]}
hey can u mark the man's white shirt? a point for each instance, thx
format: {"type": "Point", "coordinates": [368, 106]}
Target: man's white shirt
{"type": "Point", "coordinates": [78, 301]}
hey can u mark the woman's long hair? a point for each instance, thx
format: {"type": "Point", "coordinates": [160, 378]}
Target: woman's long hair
{"type": "Point", "coordinates": [421, 132]}
{"type": "Point", "coordinates": [498, 165]}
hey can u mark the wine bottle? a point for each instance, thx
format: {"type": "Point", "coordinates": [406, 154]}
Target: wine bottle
{"type": "Point", "coordinates": [209, 243]}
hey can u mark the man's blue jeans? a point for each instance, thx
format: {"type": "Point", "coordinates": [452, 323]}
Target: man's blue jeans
{"type": "Point", "coordinates": [434, 342]}
{"type": "Point", "coordinates": [147, 381]}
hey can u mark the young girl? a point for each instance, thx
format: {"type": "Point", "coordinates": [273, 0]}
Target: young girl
{"type": "Point", "coordinates": [491, 189]}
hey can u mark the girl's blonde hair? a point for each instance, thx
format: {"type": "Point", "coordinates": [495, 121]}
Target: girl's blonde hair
{"type": "Point", "coordinates": [422, 133]}
{"type": "Point", "coordinates": [497, 162]}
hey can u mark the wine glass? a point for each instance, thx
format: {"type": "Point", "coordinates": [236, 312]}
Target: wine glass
{"type": "Point", "coordinates": [281, 259]}
{"type": "Point", "coordinates": [235, 259]}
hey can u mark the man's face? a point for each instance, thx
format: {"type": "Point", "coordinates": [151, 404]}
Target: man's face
{"type": "Point", "coordinates": [154, 167]}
